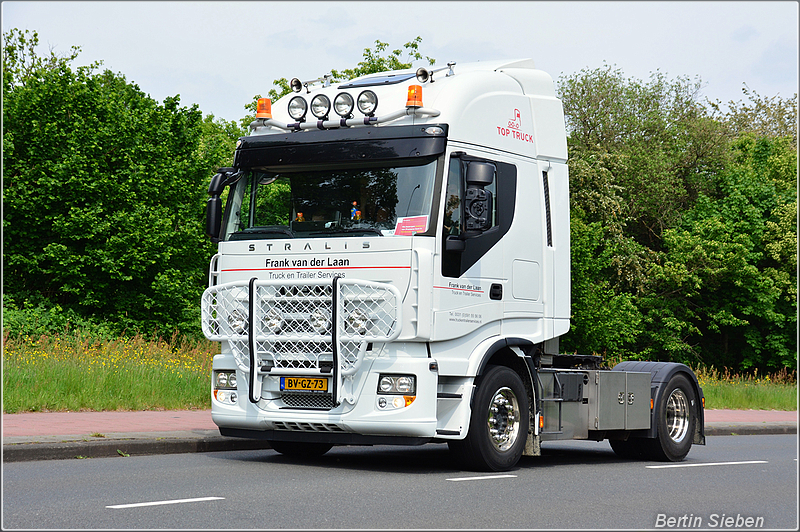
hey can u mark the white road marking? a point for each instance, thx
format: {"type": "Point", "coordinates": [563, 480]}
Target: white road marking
{"type": "Point", "coordinates": [481, 478]}
{"type": "Point", "coordinates": [159, 503]}
{"type": "Point", "coordinates": [706, 464]}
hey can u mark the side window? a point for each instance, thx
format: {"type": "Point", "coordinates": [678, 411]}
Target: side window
{"type": "Point", "coordinates": [452, 203]}
{"type": "Point", "coordinates": [487, 203]}
{"type": "Point", "coordinates": [454, 213]}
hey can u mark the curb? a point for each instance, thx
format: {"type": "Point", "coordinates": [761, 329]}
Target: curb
{"type": "Point", "coordinates": [122, 447]}
{"type": "Point", "coordinates": [26, 452]}
{"type": "Point", "coordinates": [721, 428]}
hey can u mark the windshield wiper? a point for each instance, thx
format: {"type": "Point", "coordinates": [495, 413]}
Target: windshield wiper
{"type": "Point", "coordinates": [252, 231]}
{"type": "Point", "coordinates": [348, 230]}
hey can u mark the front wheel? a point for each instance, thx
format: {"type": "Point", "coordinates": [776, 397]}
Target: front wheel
{"type": "Point", "coordinates": [675, 419]}
{"type": "Point", "coordinates": [300, 449]}
{"type": "Point", "coordinates": [498, 426]}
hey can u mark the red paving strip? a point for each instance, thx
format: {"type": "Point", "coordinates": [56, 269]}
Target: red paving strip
{"type": "Point", "coordinates": [56, 423]}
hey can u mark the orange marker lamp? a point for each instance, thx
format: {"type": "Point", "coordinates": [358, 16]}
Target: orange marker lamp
{"type": "Point", "coordinates": [264, 108]}
{"type": "Point", "coordinates": [414, 96]}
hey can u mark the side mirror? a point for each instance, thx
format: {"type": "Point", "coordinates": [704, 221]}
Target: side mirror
{"type": "Point", "coordinates": [480, 174]}
{"type": "Point", "coordinates": [478, 202]}
{"type": "Point", "coordinates": [213, 217]}
{"type": "Point", "coordinates": [223, 178]}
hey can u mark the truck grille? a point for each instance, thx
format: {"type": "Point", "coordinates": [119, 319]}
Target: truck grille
{"type": "Point", "coordinates": [308, 400]}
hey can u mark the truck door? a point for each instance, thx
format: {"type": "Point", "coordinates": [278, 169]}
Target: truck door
{"type": "Point", "coordinates": [477, 214]}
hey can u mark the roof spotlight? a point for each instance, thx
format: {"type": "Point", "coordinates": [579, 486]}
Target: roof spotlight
{"type": "Point", "coordinates": [367, 102]}
{"type": "Point", "coordinates": [343, 104]}
{"type": "Point", "coordinates": [297, 108]}
{"type": "Point", "coordinates": [320, 106]}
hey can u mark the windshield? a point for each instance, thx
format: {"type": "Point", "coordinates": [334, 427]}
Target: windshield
{"type": "Point", "coordinates": [381, 201]}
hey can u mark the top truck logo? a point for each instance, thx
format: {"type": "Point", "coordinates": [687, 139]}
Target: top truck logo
{"type": "Point", "coordinates": [512, 130]}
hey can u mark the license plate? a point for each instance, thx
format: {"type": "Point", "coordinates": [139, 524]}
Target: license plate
{"type": "Point", "coordinates": [304, 384]}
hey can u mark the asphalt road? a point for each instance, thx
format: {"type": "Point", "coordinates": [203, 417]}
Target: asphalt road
{"type": "Point", "coordinates": [574, 484]}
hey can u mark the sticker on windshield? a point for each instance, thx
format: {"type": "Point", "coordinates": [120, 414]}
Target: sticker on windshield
{"type": "Point", "coordinates": [409, 225]}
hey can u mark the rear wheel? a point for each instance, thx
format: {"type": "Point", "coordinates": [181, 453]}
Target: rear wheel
{"type": "Point", "coordinates": [630, 448]}
{"type": "Point", "coordinates": [675, 419]}
{"type": "Point", "coordinates": [300, 449]}
{"type": "Point", "coordinates": [498, 427]}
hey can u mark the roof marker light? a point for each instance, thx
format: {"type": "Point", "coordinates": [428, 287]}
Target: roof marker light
{"type": "Point", "coordinates": [414, 96]}
{"type": "Point", "coordinates": [264, 108]}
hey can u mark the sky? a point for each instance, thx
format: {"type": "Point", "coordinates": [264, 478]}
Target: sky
{"type": "Point", "coordinates": [218, 55]}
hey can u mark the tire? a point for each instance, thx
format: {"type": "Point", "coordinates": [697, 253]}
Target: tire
{"type": "Point", "coordinates": [675, 420]}
{"type": "Point", "coordinates": [498, 427]}
{"type": "Point", "coordinates": [630, 448]}
{"type": "Point", "coordinates": [301, 449]}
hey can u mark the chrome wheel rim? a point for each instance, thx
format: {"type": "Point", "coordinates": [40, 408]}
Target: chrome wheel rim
{"type": "Point", "coordinates": [504, 419]}
{"type": "Point", "coordinates": [677, 415]}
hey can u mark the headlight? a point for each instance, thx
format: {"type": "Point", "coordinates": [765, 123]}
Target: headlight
{"type": "Point", "coordinates": [273, 321]}
{"type": "Point", "coordinates": [238, 321]}
{"type": "Point", "coordinates": [367, 102]}
{"type": "Point", "coordinates": [343, 104]}
{"type": "Point", "coordinates": [320, 106]}
{"type": "Point", "coordinates": [321, 321]}
{"type": "Point", "coordinates": [298, 108]}
{"type": "Point", "coordinates": [358, 321]}
{"type": "Point", "coordinates": [397, 384]}
{"type": "Point", "coordinates": [225, 379]}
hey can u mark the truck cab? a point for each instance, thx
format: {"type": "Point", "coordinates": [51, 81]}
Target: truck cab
{"type": "Point", "coordinates": [394, 267]}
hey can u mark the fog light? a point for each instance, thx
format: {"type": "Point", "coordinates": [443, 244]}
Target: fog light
{"type": "Point", "coordinates": [273, 321]}
{"type": "Point", "coordinates": [358, 321]}
{"type": "Point", "coordinates": [238, 321]}
{"type": "Point", "coordinates": [321, 321]}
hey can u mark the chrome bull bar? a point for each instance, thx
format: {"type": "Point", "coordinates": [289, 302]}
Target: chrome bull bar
{"type": "Point", "coordinates": [302, 328]}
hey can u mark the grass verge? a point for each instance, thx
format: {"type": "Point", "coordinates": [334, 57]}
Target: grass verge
{"type": "Point", "coordinates": [82, 372]}
{"type": "Point", "coordinates": [74, 372]}
{"type": "Point", "coordinates": [724, 389]}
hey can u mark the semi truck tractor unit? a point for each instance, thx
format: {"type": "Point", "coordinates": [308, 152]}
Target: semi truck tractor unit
{"type": "Point", "coordinates": [393, 267]}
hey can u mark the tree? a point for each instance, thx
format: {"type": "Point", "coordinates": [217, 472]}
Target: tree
{"type": "Point", "coordinates": [683, 222]}
{"type": "Point", "coordinates": [104, 190]}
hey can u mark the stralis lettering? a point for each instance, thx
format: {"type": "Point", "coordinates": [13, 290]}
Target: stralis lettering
{"type": "Point", "coordinates": [308, 246]}
{"type": "Point", "coordinates": [314, 262]}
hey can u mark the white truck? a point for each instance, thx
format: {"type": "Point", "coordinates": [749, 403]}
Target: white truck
{"type": "Point", "coordinates": [393, 272]}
